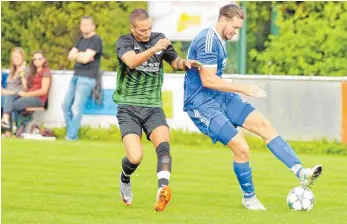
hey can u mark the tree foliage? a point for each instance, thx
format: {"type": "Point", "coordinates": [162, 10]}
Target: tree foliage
{"type": "Point", "coordinates": [54, 28]}
{"type": "Point", "coordinates": [312, 41]}
{"type": "Point", "coordinates": [258, 30]}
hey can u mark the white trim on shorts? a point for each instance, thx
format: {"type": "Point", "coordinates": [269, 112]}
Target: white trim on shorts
{"type": "Point", "coordinates": [201, 118]}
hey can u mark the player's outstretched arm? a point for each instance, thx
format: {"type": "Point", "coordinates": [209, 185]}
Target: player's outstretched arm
{"type": "Point", "coordinates": [210, 80]}
{"type": "Point", "coordinates": [132, 60]}
{"type": "Point", "coordinates": [183, 64]}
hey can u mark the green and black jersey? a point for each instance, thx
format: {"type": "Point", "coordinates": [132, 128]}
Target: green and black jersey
{"type": "Point", "coordinates": [142, 85]}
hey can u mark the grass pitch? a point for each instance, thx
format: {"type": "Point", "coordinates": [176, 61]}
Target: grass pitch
{"type": "Point", "coordinates": [78, 182]}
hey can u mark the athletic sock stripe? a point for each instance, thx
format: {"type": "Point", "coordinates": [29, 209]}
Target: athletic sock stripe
{"type": "Point", "coordinates": [163, 175]}
{"type": "Point", "coordinates": [125, 174]}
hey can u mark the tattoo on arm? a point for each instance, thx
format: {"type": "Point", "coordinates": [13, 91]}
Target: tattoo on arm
{"type": "Point", "coordinates": [180, 64]}
{"type": "Point", "coordinates": [177, 63]}
{"type": "Point", "coordinates": [183, 67]}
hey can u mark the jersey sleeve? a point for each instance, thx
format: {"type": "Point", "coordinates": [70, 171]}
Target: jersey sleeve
{"type": "Point", "coordinates": [47, 72]}
{"type": "Point", "coordinates": [96, 45]}
{"type": "Point", "coordinates": [207, 51]}
{"type": "Point", "coordinates": [124, 44]}
{"type": "Point", "coordinates": [169, 54]}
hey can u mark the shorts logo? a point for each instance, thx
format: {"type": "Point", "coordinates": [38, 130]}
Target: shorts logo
{"type": "Point", "coordinates": [201, 118]}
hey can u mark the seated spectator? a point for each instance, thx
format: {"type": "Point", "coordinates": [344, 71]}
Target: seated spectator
{"type": "Point", "coordinates": [15, 83]}
{"type": "Point", "coordinates": [39, 81]}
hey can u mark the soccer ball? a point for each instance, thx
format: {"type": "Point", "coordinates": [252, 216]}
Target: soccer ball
{"type": "Point", "coordinates": [300, 199]}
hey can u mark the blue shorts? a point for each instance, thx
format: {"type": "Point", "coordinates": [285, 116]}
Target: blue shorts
{"type": "Point", "coordinates": [219, 117]}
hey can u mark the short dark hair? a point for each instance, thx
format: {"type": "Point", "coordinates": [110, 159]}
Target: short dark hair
{"type": "Point", "coordinates": [232, 10]}
{"type": "Point", "coordinates": [89, 17]}
{"type": "Point", "coordinates": [138, 14]}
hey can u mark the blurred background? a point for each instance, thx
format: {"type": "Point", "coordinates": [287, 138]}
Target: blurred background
{"type": "Point", "coordinates": [282, 38]}
{"type": "Point", "coordinates": [297, 51]}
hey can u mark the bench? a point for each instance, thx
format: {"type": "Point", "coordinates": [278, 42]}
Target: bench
{"type": "Point", "coordinates": [26, 116]}
{"type": "Point", "coordinates": [33, 109]}
{"type": "Point", "coordinates": [30, 110]}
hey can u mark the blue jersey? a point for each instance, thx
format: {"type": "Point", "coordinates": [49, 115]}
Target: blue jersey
{"type": "Point", "coordinates": [209, 49]}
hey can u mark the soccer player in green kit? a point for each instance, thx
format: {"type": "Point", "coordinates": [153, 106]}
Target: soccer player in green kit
{"type": "Point", "coordinates": [139, 98]}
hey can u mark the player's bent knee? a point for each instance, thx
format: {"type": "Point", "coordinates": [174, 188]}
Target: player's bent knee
{"type": "Point", "coordinates": [133, 148]}
{"type": "Point", "coordinates": [159, 135]}
{"type": "Point", "coordinates": [240, 148]}
{"type": "Point", "coordinates": [135, 158]}
{"type": "Point", "coordinates": [242, 152]}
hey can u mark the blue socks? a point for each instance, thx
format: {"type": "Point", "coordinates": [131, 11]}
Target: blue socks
{"type": "Point", "coordinates": [244, 176]}
{"type": "Point", "coordinates": [284, 152]}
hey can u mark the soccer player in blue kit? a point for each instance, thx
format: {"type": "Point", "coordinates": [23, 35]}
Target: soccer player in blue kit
{"type": "Point", "coordinates": [215, 107]}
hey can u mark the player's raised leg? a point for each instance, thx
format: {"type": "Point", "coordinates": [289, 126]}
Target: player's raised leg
{"type": "Point", "coordinates": [160, 139]}
{"type": "Point", "coordinates": [257, 123]}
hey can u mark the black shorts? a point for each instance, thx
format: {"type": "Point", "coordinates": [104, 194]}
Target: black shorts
{"type": "Point", "coordinates": [132, 119]}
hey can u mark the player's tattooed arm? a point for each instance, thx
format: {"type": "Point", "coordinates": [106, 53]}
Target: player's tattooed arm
{"type": "Point", "coordinates": [178, 64]}
{"type": "Point", "coordinates": [184, 64]}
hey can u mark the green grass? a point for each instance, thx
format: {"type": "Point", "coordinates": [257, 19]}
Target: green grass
{"type": "Point", "coordinates": [184, 137]}
{"type": "Point", "coordinates": [77, 182]}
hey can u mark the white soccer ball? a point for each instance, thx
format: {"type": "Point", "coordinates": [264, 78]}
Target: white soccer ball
{"type": "Point", "coordinates": [300, 199]}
